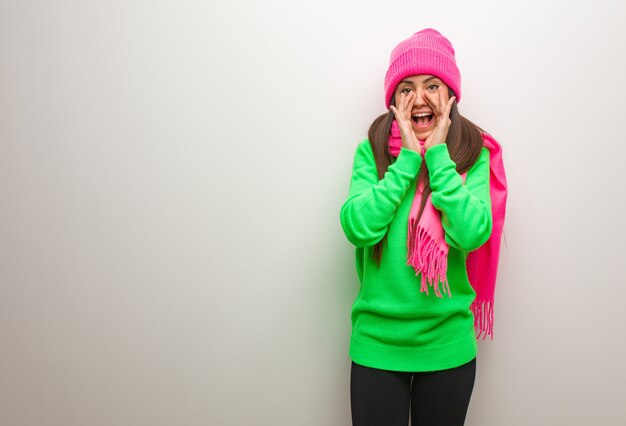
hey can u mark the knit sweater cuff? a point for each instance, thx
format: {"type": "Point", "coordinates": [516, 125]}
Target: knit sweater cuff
{"type": "Point", "coordinates": [408, 161]}
{"type": "Point", "coordinates": [438, 156]}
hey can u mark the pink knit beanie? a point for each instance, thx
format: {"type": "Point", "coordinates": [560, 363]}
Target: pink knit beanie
{"type": "Point", "coordinates": [425, 52]}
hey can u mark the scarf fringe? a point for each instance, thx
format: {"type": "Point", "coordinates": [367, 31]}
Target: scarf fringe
{"type": "Point", "coordinates": [483, 318]}
{"type": "Point", "coordinates": [428, 259]}
{"type": "Point", "coordinates": [428, 255]}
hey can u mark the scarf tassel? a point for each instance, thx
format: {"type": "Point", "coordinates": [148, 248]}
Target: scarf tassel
{"type": "Point", "coordinates": [483, 318]}
{"type": "Point", "coordinates": [425, 256]}
{"type": "Point", "coordinates": [428, 251]}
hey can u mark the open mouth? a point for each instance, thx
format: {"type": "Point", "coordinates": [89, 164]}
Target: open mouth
{"type": "Point", "coordinates": [422, 120]}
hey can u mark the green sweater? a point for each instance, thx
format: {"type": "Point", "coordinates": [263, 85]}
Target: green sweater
{"type": "Point", "coordinates": [394, 325]}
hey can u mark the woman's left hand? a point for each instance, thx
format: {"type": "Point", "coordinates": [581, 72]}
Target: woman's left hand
{"type": "Point", "coordinates": [441, 109]}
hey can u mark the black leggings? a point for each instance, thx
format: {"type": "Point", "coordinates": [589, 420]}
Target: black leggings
{"type": "Point", "coordinates": [381, 397]}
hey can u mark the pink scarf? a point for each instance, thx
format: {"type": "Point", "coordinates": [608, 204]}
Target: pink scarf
{"type": "Point", "coordinates": [428, 250]}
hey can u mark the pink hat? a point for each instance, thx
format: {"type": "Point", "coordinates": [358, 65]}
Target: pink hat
{"type": "Point", "coordinates": [425, 52]}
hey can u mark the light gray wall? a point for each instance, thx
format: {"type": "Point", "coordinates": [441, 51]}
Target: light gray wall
{"type": "Point", "coordinates": [171, 174]}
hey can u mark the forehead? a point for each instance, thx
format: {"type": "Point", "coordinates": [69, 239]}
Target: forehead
{"type": "Point", "coordinates": [417, 79]}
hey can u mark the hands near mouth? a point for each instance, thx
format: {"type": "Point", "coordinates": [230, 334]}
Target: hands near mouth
{"type": "Point", "coordinates": [405, 122]}
{"type": "Point", "coordinates": [441, 111]}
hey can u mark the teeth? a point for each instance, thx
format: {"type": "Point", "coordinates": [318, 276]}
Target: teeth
{"type": "Point", "coordinates": [424, 114]}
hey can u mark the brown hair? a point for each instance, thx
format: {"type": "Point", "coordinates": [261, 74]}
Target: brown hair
{"type": "Point", "coordinates": [464, 143]}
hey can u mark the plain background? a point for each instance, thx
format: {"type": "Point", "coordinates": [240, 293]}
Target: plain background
{"type": "Point", "coordinates": [171, 175]}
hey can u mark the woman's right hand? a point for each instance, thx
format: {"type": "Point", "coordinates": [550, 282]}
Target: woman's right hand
{"type": "Point", "coordinates": [405, 122]}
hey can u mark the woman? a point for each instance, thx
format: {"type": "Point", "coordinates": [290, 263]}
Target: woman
{"type": "Point", "coordinates": [425, 212]}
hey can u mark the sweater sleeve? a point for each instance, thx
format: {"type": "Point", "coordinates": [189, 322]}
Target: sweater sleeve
{"type": "Point", "coordinates": [465, 207]}
{"type": "Point", "coordinates": [372, 203]}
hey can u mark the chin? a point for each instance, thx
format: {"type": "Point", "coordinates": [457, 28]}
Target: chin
{"type": "Point", "coordinates": [422, 136]}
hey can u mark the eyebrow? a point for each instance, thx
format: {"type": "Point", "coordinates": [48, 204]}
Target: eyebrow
{"type": "Point", "coordinates": [410, 82]}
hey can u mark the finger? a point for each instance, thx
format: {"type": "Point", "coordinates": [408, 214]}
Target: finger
{"type": "Point", "coordinates": [442, 104]}
{"type": "Point", "coordinates": [401, 105]}
{"type": "Point", "coordinates": [409, 101]}
{"type": "Point", "coordinates": [449, 105]}
{"type": "Point", "coordinates": [406, 106]}
{"type": "Point", "coordinates": [431, 103]}
{"type": "Point", "coordinates": [397, 114]}
{"type": "Point", "coordinates": [395, 111]}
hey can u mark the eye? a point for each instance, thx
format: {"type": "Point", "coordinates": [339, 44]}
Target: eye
{"type": "Point", "coordinates": [405, 90]}
{"type": "Point", "coordinates": [433, 87]}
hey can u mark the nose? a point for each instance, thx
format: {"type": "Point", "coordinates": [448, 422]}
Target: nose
{"type": "Point", "coordinates": [419, 98]}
